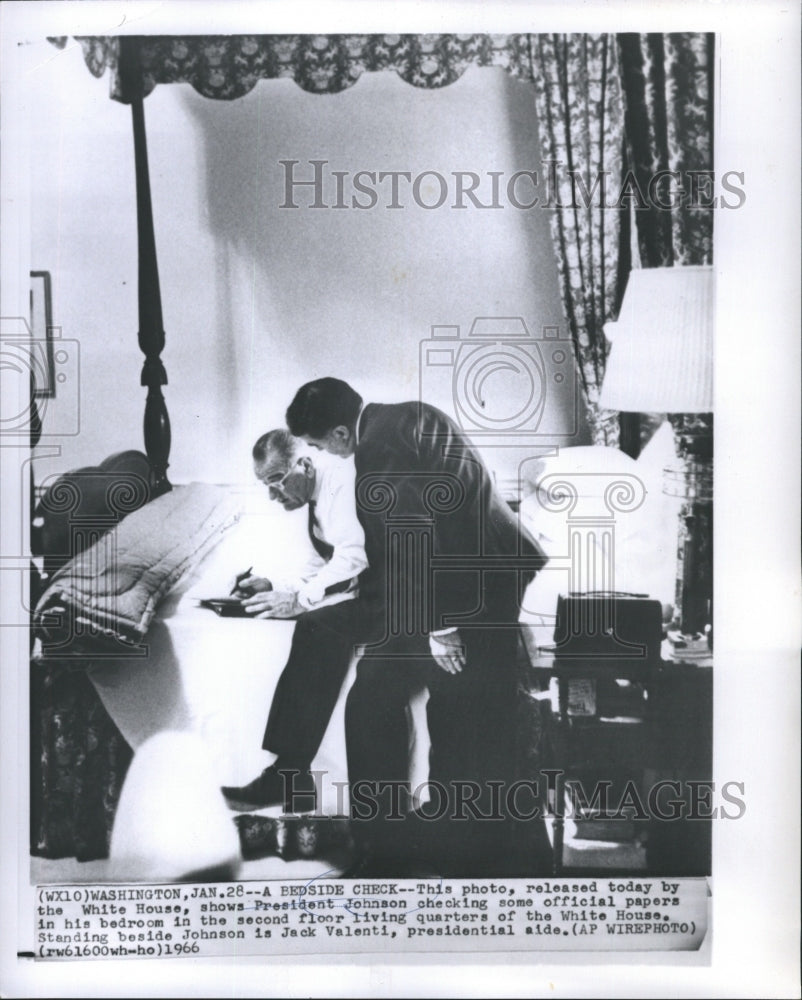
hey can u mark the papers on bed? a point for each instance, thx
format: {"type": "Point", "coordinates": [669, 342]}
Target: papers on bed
{"type": "Point", "coordinates": [225, 607]}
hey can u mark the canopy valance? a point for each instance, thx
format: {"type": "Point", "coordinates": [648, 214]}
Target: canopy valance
{"type": "Point", "coordinates": [225, 67]}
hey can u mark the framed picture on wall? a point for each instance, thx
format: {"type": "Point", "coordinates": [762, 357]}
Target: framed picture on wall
{"type": "Point", "coordinates": [42, 335]}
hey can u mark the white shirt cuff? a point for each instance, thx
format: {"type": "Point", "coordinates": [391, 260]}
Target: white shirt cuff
{"type": "Point", "coordinates": [311, 593]}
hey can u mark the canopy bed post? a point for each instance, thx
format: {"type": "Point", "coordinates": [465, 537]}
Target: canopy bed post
{"type": "Point", "coordinates": [151, 325]}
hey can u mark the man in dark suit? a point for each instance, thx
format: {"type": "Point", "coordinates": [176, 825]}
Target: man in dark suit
{"type": "Point", "coordinates": [439, 606]}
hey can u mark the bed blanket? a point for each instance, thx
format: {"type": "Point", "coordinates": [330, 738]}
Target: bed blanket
{"type": "Point", "coordinates": [112, 588]}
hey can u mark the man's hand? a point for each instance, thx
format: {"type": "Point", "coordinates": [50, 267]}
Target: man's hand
{"type": "Point", "coordinates": [273, 604]}
{"type": "Point", "coordinates": [448, 652]}
{"type": "Point", "coordinates": [249, 585]}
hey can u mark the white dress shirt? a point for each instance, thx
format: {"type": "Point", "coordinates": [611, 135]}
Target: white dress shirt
{"type": "Point", "coordinates": [338, 525]}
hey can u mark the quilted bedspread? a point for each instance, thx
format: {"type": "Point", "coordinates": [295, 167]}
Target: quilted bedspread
{"type": "Point", "coordinates": [113, 588]}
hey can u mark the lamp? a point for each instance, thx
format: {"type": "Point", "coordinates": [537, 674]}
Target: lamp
{"type": "Point", "coordinates": [661, 361]}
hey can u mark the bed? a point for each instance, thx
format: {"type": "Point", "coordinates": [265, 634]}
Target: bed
{"type": "Point", "coordinates": [125, 615]}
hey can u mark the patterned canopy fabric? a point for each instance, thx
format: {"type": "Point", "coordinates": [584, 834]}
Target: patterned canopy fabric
{"type": "Point", "coordinates": [225, 67]}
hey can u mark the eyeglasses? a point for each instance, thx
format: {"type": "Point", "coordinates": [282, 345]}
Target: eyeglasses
{"type": "Point", "coordinates": [276, 488]}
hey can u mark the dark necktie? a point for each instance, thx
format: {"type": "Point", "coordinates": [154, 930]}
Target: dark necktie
{"type": "Point", "coordinates": [324, 550]}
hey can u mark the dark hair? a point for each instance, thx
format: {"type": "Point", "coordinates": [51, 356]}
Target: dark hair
{"type": "Point", "coordinates": [322, 405]}
{"type": "Point", "coordinates": [280, 442]}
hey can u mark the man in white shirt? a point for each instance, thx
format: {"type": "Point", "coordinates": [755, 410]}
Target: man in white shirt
{"type": "Point", "coordinates": [337, 556]}
{"type": "Point", "coordinates": [309, 685]}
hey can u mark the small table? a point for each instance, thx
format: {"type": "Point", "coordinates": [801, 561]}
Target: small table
{"type": "Point", "coordinates": [671, 739]}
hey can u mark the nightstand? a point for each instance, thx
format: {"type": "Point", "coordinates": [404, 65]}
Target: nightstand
{"type": "Point", "coordinates": [623, 726]}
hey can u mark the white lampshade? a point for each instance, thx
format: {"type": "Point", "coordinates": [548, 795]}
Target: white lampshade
{"type": "Point", "coordinates": [661, 359]}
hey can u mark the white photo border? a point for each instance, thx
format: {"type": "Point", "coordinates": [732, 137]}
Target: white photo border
{"type": "Point", "coordinates": [753, 947]}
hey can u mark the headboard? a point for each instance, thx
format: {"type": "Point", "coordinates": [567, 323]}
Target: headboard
{"type": "Point", "coordinates": [76, 508]}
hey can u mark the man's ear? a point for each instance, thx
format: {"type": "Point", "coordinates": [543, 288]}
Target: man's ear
{"type": "Point", "coordinates": [342, 435]}
{"type": "Point", "coordinates": [307, 465]}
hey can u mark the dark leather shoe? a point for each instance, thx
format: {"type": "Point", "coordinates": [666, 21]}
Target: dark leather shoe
{"type": "Point", "coordinates": [293, 789]}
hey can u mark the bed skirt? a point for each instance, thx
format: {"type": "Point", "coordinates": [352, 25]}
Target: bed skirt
{"type": "Point", "coordinates": [79, 760]}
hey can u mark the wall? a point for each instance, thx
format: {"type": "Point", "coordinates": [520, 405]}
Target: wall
{"type": "Point", "coordinates": [258, 299]}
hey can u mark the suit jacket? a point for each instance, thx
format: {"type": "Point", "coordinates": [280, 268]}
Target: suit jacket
{"type": "Point", "coordinates": [443, 546]}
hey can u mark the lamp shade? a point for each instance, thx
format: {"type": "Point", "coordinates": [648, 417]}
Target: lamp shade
{"type": "Point", "coordinates": [661, 358]}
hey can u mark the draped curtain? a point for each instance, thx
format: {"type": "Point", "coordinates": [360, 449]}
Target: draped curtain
{"type": "Point", "coordinates": [578, 99]}
{"type": "Point", "coordinates": [668, 99]}
{"type": "Point", "coordinates": [621, 112]}
{"type": "Point", "coordinates": [668, 89]}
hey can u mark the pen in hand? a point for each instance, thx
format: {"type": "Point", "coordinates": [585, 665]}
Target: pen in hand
{"type": "Point", "coordinates": [239, 578]}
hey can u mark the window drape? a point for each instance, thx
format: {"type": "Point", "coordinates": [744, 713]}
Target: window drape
{"type": "Point", "coordinates": [580, 114]}
{"type": "Point", "coordinates": [668, 99]}
{"type": "Point", "coordinates": [626, 124]}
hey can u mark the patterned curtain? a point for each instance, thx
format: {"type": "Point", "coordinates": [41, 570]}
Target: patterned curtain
{"type": "Point", "coordinates": [668, 90]}
{"type": "Point", "coordinates": [581, 120]}
{"type": "Point", "coordinates": [626, 123]}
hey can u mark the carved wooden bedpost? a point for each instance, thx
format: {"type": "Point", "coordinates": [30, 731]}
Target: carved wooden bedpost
{"type": "Point", "coordinates": [151, 324]}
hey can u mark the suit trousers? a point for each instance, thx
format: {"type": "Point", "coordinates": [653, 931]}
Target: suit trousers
{"type": "Point", "coordinates": [471, 720]}
{"type": "Point", "coordinates": [467, 713]}
{"type": "Point", "coordinates": [323, 645]}
{"type": "Point", "coordinates": [472, 824]}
